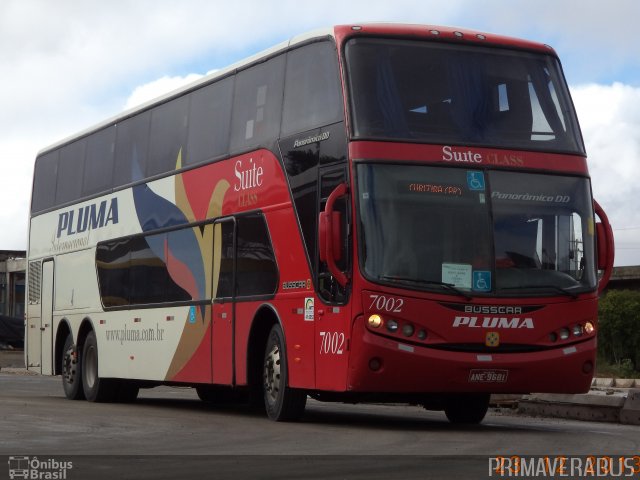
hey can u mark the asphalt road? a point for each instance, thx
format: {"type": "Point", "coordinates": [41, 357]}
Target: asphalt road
{"type": "Point", "coordinates": [170, 431]}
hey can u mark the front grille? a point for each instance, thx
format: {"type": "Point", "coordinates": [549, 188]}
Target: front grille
{"type": "Point", "coordinates": [481, 348]}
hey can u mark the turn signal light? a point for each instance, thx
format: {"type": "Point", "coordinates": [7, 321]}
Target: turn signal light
{"type": "Point", "coordinates": [375, 321]}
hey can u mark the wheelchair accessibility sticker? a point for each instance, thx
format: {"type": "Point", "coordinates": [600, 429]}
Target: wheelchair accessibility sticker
{"type": "Point", "coordinates": [482, 280]}
{"type": "Point", "coordinates": [475, 180]}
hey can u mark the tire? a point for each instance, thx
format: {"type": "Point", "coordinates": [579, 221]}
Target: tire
{"type": "Point", "coordinates": [282, 403]}
{"type": "Point", "coordinates": [467, 409]}
{"type": "Point", "coordinates": [71, 371]}
{"type": "Point", "coordinates": [96, 389]}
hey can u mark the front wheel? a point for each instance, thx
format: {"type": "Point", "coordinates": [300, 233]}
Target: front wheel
{"type": "Point", "coordinates": [467, 409]}
{"type": "Point", "coordinates": [71, 370]}
{"type": "Point", "coordinates": [281, 402]}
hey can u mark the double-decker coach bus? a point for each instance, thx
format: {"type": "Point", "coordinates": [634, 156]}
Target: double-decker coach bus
{"type": "Point", "coordinates": [372, 212]}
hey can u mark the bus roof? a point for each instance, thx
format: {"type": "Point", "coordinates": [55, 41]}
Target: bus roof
{"type": "Point", "coordinates": [341, 33]}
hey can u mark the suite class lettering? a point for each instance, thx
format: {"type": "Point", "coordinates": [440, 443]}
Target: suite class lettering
{"type": "Point", "coordinates": [89, 217]}
{"type": "Point", "coordinates": [247, 177]}
{"type": "Point", "coordinates": [452, 154]}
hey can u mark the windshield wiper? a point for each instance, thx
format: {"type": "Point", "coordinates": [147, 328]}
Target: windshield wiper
{"type": "Point", "coordinates": [561, 290]}
{"type": "Point", "coordinates": [447, 286]}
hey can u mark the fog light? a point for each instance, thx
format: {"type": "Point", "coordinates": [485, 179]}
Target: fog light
{"type": "Point", "coordinates": [375, 364]}
{"type": "Point", "coordinates": [587, 367]}
{"type": "Point", "coordinates": [577, 330]}
{"type": "Point", "coordinates": [392, 326]}
{"type": "Point", "coordinates": [422, 334]}
{"type": "Point", "coordinates": [589, 327]}
{"type": "Point", "coordinates": [375, 321]}
{"type": "Point", "coordinates": [564, 333]}
{"type": "Point", "coordinates": [553, 336]}
{"type": "Point", "coordinates": [407, 329]}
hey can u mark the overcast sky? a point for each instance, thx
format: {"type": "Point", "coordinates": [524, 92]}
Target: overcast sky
{"type": "Point", "coordinates": [68, 64]}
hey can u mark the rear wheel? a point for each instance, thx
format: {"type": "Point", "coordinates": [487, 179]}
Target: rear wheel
{"type": "Point", "coordinates": [71, 370]}
{"type": "Point", "coordinates": [467, 409]}
{"type": "Point", "coordinates": [96, 389]}
{"type": "Point", "coordinates": [281, 402]}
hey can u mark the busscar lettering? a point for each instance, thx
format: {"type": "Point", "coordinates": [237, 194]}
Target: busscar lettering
{"type": "Point", "coordinates": [499, 309]}
{"type": "Point", "coordinates": [89, 217]}
{"type": "Point", "coordinates": [493, 322]}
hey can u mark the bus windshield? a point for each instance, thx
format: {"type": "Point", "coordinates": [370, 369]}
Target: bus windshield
{"type": "Point", "coordinates": [455, 94]}
{"type": "Point", "coordinates": [482, 232]}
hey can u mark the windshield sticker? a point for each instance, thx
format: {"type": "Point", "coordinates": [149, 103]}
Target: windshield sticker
{"type": "Point", "coordinates": [527, 197]}
{"type": "Point", "coordinates": [482, 280]}
{"type": "Point", "coordinates": [457, 274]}
{"type": "Point", "coordinates": [475, 180]}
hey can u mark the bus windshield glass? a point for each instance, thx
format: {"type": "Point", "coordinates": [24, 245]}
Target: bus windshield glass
{"type": "Point", "coordinates": [482, 232]}
{"type": "Point", "coordinates": [456, 94]}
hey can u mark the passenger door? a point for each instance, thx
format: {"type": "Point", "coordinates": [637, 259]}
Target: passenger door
{"type": "Point", "coordinates": [223, 307]}
{"type": "Point", "coordinates": [46, 318]}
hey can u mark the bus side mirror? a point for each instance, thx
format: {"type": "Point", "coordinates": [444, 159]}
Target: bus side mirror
{"type": "Point", "coordinates": [605, 246]}
{"type": "Point", "coordinates": [330, 235]}
{"type": "Point", "coordinates": [601, 239]}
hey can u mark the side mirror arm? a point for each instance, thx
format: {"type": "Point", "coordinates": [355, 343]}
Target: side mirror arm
{"type": "Point", "coordinates": [327, 235]}
{"type": "Point", "coordinates": [605, 246]}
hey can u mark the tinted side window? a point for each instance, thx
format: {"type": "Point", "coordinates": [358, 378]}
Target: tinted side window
{"type": "Point", "coordinates": [168, 135]}
{"type": "Point", "coordinates": [256, 269]}
{"type": "Point", "coordinates": [257, 105]}
{"type": "Point", "coordinates": [98, 166]}
{"type": "Point", "coordinates": [44, 182]}
{"type": "Point", "coordinates": [113, 261]}
{"type": "Point", "coordinates": [134, 271]}
{"type": "Point", "coordinates": [132, 142]}
{"type": "Point", "coordinates": [70, 167]}
{"type": "Point", "coordinates": [312, 95]}
{"type": "Point", "coordinates": [149, 276]}
{"type": "Point", "coordinates": [209, 122]}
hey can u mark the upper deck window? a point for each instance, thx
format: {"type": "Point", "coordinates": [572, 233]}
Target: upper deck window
{"type": "Point", "coordinates": [443, 93]}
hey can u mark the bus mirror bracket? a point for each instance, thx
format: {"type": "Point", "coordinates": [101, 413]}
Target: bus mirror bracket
{"type": "Point", "coordinates": [605, 246]}
{"type": "Point", "coordinates": [330, 235]}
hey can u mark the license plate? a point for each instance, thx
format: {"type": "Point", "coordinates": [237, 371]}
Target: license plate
{"type": "Point", "coordinates": [488, 376]}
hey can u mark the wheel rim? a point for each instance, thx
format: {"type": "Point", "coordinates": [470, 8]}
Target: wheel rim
{"type": "Point", "coordinates": [272, 374]}
{"type": "Point", "coordinates": [69, 363]}
{"type": "Point", "coordinates": [90, 366]}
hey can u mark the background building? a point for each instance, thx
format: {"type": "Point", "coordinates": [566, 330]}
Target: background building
{"type": "Point", "coordinates": [12, 276]}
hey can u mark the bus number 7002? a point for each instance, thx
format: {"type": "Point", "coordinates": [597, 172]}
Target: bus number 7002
{"type": "Point", "coordinates": [388, 304]}
{"type": "Point", "coordinates": [331, 343]}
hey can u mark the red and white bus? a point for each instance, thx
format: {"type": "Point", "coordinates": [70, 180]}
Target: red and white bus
{"type": "Point", "coordinates": [369, 212]}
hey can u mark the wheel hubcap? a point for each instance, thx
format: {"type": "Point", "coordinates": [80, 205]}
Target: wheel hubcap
{"type": "Point", "coordinates": [90, 367]}
{"type": "Point", "coordinates": [272, 374]}
{"type": "Point", "coordinates": [69, 363]}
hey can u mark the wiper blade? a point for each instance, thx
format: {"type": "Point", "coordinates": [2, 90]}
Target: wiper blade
{"type": "Point", "coordinates": [447, 286]}
{"type": "Point", "coordinates": [561, 290]}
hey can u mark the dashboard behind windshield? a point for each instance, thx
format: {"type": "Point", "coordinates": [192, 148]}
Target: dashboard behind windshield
{"type": "Point", "coordinates": [483, 232]}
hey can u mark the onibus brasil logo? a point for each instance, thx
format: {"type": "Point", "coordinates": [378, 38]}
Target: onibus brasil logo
{"type": "Point", "coordinates": [38, 469]}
